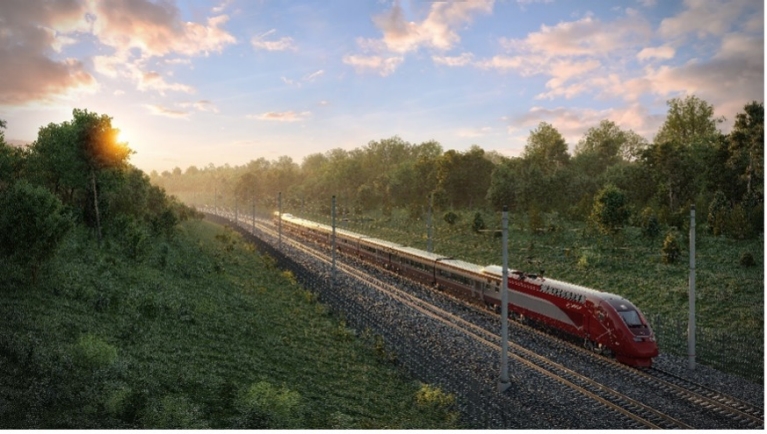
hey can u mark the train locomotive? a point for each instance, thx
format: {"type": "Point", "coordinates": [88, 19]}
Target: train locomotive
{"type": "Point", "coordinates": [606, 323]}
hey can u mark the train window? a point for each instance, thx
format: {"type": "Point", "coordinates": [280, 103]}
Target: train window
{"type": "Point", "coordinates": [631, 318]}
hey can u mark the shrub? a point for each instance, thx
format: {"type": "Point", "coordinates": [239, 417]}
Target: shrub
{"type": "Point", "coordinates": [93, 352]}
{"type": "Point", "coordinates": [32, 224]}
{"type": "Point", "coordinates": [450, 217]}
{"type": "Point", "coordinates": [718, 213]}
{"type": "Point", "coordinates": [670, 250]}
{"type": "Point", "coordinates": [610, 211]}
{"type": "Point", "coordinates": [649, 223]}
{"type": "Point", "coordinates": [747, 260]}
{"type": "Point", "coordinates": [264, 406]}
{"type": "Point", "coordinates": [478, 224]}
{"type": "Point", "coordinates": [174, 412]}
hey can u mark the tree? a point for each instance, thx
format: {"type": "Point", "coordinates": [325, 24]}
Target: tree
{"type": "Point", "coordinates": [32, 224]}
{"type": "Point", "coordinates": [97, 144]}
{"type": "Point", "coordinates": [464, 177]}
{"type": "Point", "coordinates": [547, 148]}
{"type": "Point", "coordinates": [746, 146]}
{"type": "Point", "coordinates": [504, 186]}
{"type": "Point", "coordinates": [689, 120]}
{"type": "Point", "coordinates": [610, 212]}
{"type": "Point", "coordinates": [12, 160]}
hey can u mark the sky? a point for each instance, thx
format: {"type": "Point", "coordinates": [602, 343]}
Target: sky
{"type": "Point", "coordinates": [227, 82]}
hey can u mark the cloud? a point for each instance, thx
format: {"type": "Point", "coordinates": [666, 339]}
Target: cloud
{"type": "Point", "coordinates": [153, 81]}
{"type": "Point", "coordinates": [282, 44]}
{"type": "Point", "coordinates": [664, 52]}
{"type": "Point", "coordinates": [202, 105]}
{"type": "Point", "coordinates": [731, 78]}
{"type": "Point", "coordinates": [159, 110]}
{"type": "Point", "coordinates": [474, 132]}
{"type": "Point", "coordinates": [706, 18]}
{"type": "Point", "coordinates": [313, 75]}
{"type": "Point", "coordinates": [156, 29]}
{"type": "Point", "coordinates": [462, 60]}
{"type": "Point", "coordinates": [382, 65]}
{"type": "Point", "coordinates": [587, 36]}
{"type": "Point", "coordinates": [182, 110]}
{"type": "Point", "coordinates": [437, 31]}
{"type": "Point", "coordinates": [287, 116]}
{"type": "Point", "coordinates": [574, 122]}
{"type": "Point", "coordinates": [30, 30]}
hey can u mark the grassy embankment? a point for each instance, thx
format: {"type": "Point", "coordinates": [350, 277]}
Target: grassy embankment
{"type": "Point", "coordinates": [730, 297]}
{"type": "Point", "coordinates": [199, 332]}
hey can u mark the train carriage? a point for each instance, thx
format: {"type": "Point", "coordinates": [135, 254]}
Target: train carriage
{"type": "Point", "coordinates": [606, 322]}
{"type": "Point", "coordinates": [375, 251]}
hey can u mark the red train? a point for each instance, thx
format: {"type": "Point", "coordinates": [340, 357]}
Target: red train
{"type": "Point", "coordinates": [607, 323]}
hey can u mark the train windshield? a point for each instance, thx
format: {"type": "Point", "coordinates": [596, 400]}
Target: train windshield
{"type": "Point", "coordinates": [631, 318]}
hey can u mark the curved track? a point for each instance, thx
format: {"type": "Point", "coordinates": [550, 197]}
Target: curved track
{"type": "Point", "coordinates": [636, 414]}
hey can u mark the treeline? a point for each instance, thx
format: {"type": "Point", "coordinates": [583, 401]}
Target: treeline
{"type": "Point", "coordinates": [613, 178]}
{"type": "Point", "coordinates": [76, 174]}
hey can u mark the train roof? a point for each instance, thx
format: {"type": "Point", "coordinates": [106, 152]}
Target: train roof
{"type": "Point", "coordinates": [462, 265]}
{"type": "Point", "coordinates": [380, 243]}
{"type": "Point", "coordinates": [420, 253]}
{"type": "Point", "coordinates": [495, 270]}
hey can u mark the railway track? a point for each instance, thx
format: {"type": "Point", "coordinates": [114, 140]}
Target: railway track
{"type": "Point", "coordinates": [636, 414]}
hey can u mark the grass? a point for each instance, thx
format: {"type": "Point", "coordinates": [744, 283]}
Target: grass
{"type": "Point", "coordinates": [199, 332]}
{"type": "Point", "coordinates": [729, 301]}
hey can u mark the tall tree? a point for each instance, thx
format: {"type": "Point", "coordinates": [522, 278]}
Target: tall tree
{"type": "Point", "coordinates": [547, 148]}
{"type": "Point", "coordinates": [746, 146]}
{"type": "Point", "coordinates": [688, 120]}
{"type": "Point", "coordinates": [99, 149]}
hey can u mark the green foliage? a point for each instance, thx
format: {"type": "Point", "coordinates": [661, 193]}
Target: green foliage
{"type": "Point", "coordinates": [670, 252]}
{"type": "Point", "coordinates": [435, 401]}
{"type": "Point", "coordinates": [718, 213]}
{"type": "Point", "coordinates": [32, 224]}
{"type": "Point", "coordinates": [610, 212]}
{"type": "Point", "coordinates": [104, 342]}
{"type": "Point", "coordinates": [535, 220]}
{"type": "Point", "coordinates": [93, 352]}
{"type": "Point", "coordinates": [174, 412]}
{"type": "Point", "coordinates": [478, 223]}
{"type": "Point", "coordinates": [264, 406]}
{"type": "Point", "coordinates": [649, 223]}
{"type": "Point", "coordinates": [546, 148]}
{"type": "Point", "coordinates": [688, 121]}
{"type": "Point", "coordinates": [450, 218]}
{"type": "Point", "coordinates": [747, 260]}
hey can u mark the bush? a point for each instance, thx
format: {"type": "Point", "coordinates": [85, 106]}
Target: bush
{"type": "Point", "coordinates": [174, 412]}
{"type": "Point", "coordinates": [610, 212]}
{"type": "Point", "coordinates": [747, 260]}
{"type": "Point", "coordinates": [649, 223]}
{"type": "Point", "coordinates": [450, 217]}
{"type": "Point", "coordinates": [670, 250]}
{"type": "Point", "coordinates": [93, 352]}
{"type": "Point", "coordinates": [32, 224]}
{"type": "Point", "coordinates": [478, 224]}
{"type": "Point", "coordinates": [264, 406]}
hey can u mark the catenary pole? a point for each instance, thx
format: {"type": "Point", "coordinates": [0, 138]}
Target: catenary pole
{"type": "Point", "coordinates": [691, 323]}
{"type": "Point", "coordinates": [430, 244]}
{"type": "Point", "coordinates": [503, 382]}
{"type": "Point", "coordinates": [279, 220]}
{"type": "Point", "coordinates": [333, 242]}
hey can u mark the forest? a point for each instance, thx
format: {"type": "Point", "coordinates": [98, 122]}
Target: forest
{"type": "Point", "coordinates": [614, 177]}
{"type": "Point", "coordinates": [614, 215]}
{"type": "Point", "coordinates": [122, 309]}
